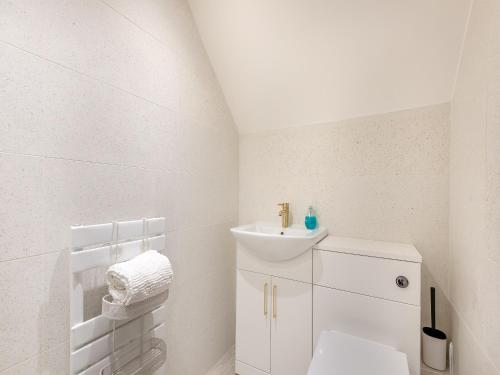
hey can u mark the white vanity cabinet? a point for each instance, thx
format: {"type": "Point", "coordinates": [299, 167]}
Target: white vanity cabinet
{"type": "Point", "coordinates": [253, 320]}
{"type": "Point", "coordinates": [273, 319]}
{"type": "Point", "coordinates": [291, 328]}
{"type": "Point", "coordinates": [368, 289]}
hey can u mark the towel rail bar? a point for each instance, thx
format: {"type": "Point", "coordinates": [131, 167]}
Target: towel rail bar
{"type": "Point", "coordinates": [104, 256]}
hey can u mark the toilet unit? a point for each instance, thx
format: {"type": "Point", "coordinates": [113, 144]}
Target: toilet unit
{"type": "Point", "coordinates": [354, 301]}
{"type": "Point", "coordinates": [339, 353]}
{"type": "Point", "coordinates": [368, 293]}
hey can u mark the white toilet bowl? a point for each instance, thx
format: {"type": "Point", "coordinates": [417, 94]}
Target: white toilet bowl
{"type": "Point", "coordinates": [342, 354]}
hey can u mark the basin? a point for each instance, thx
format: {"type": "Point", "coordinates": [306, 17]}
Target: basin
{"type": "Point", "coordinates": [273, 243]}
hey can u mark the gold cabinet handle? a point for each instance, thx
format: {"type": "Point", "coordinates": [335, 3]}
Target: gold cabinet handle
{"type": "Point", "coordinates": [275, 309]}
{"type": "Point", "coordinates": [265, 299]}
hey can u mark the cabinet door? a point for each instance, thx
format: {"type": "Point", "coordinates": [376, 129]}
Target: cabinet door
{"type": "Point", "coordinates": [253, 319]}
{"type": "Point", "coordinates": [291, 327]}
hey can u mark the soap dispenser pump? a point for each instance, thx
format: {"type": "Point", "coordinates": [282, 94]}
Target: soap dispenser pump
{"type": "Point", "coordinates": [310, 220]}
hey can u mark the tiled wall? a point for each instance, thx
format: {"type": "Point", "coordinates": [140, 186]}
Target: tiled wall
{"type": "Point", "coordinates": [109, 110]}
{"type": "Point", "coordinates": [475, 196]}
{"type": "Point", "coordinates": [382, 177]}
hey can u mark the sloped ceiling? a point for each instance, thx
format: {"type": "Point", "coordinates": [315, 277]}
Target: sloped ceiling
{"type": "Point", "coordinates": [284, 63]}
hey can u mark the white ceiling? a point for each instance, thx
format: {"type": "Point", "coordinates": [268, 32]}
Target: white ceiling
{"type": "Point", "coordinates": [285, 63]}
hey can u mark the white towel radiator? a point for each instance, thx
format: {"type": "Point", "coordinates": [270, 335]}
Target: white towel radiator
{"type": "Point", "coordinates": [102, 346]}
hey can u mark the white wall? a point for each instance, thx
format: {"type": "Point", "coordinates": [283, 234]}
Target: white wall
{"type": "Point", "coordinates": [284, 63]}
{"type": "Point", "coordinates": [382, 177]}
{"type": "Point", "coordinates": [109, 110]}
{"type": "Point", "coordinates": [475, 196]}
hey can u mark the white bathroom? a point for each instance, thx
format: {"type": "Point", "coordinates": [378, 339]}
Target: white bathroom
{"type": "Point", "coordinates": [251, 187]}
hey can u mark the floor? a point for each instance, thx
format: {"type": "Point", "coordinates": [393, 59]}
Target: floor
{"type": "Point", "coordinates": [225, 366]}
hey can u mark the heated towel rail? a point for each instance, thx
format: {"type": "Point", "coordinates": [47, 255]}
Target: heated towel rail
{"type": "Point", "coordinates": [100, 345]}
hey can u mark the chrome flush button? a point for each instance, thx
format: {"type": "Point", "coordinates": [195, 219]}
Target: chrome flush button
{"type": "Point", "coordinates": [402, 282]}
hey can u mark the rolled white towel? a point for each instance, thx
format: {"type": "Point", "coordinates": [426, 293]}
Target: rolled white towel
{"type": "Point", "coordinates": [140, 278]}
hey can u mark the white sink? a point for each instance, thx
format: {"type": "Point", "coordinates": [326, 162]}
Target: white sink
{"type": "Point", "coordinates": [273, 243]}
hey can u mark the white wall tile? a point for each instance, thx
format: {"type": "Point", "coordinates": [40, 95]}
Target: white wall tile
{"type": "Point", "coordinates": [67, 115]}
{"type": "Point", "coordinates": [180, 34]}
{"type": "Point", "coordinates": [474, 195]}
{"type": "Point", "coordinates": [50, 362]}
{"type": "Point", "coordinates": [92, 130]}
{"type": "Point", "coordinates": [35, 312]}
{"type": "Point", "coordinates": [22, 208]}
{"type": "Point", "coordinates": [469, 357]}
{"type": "Point", "coordinates": [93, 39]}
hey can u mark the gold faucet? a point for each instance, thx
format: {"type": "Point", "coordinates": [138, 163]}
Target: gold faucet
{"type": "Point", "coordinates": [284, 213]}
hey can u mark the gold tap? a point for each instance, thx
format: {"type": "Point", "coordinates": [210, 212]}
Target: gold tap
{"type": "Point", "coordinates": [285, 214]}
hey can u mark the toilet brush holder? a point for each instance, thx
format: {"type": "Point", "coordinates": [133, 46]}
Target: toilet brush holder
{"type": "Point", "coordinates": [434, 341]}
{"type": "Point", "coordinates": [434, 349]}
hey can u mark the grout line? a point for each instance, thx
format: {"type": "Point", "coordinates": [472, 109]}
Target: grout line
{"type": "Point", "coordinates": [167, 233]}
{"type": "Point", "coordinates": [45, 253]}
{"type": "Point", "coordinates": [180, 56]}
{"type": "Point", "coordinates": [462, 48]}
{"type": "Point", "coordinates": [66, 67]}
{"type": "Point", "coordinates": [139, 27]}
{"type": "Point", "coordinates": [222, 363]}
{"type": "Point", "coordinates": [32, 356]}
{"type": "Point", "coordinates": [474, 338]}
{"type": "Point", "coordinates": [111, 164]}
{"type": "Point", "coordinates": [161, 42]}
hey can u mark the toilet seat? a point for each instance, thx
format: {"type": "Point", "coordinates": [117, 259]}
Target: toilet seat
{"type": "Point", "coordinates": [341, 354]}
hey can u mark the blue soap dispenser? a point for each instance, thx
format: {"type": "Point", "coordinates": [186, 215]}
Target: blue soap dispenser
{"type": "Point", "coordinates": [310, 221]}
